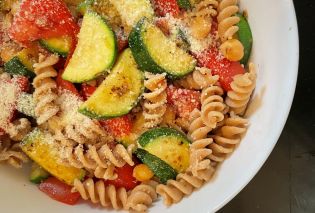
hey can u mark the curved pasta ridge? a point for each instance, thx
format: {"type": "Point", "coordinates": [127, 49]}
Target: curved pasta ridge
{"type": "Point", "coordinates": [212, 106]}
{"type": "Point", "coordinates": [242, 88]}
{"type": "Point", "coordinates": [227, 19]}
{"type": "Point", "coordinates": [45, 93]}
{"type": "Point", "coordinates": [154, 105]}
{"type": "Point", "coordinates": [227, 137]}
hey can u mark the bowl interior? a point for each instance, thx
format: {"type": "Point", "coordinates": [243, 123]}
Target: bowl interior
{"type": "Point", "coordinates": [275, 53]}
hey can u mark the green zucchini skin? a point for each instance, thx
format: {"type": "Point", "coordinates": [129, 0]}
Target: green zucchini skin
{"type": "Point", "coordinates": [161, 169]}
{"type": "Point", "coordinates": [184, 4]}
{"type": "Point", "coordinates": [16, 67]}
{"type": "Point", "coordinates": [38, 174]}
{"type": "Point", "coordinates": [26, 104]}
{"type": "Point", "coordinates": [246, 38]}
{"type": "Point", "coordinates": [51, 47]}
{"type": "Point", "coordinates": [143, 57]}
{"type": "Point", "coordinates": [152, 134]}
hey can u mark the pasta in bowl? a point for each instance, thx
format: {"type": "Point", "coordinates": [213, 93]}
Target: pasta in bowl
{"type": "Point", "coordinates": [124, 108]}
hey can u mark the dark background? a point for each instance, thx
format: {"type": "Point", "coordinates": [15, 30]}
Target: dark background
{"type": "Point", "coordinates": [286, 183]}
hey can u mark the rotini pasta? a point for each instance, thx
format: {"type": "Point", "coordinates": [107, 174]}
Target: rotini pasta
{"type": "Point", "coordinates": [227, 19]}
{"type": "Point", "coordinates": [212, 106]}
{"type": "Point", "coordinates": [201, 78]}
{"type": "Point", "coordinates": [97, 192]}
{"type": "Point", "coordinates": [242, 88]}
{"type": "Point", "coordinates": [45, 93]}
{"type": "Point", "coordinates": [155, 100]}
{"type": "Point", "coordinates": [18, 129]}
{"type": "Point", "coordinates": [11, 153]}
{"type": "Point", "coordinates": [175, 190]}
{"type": "Point", "coordinates": [227, 137]}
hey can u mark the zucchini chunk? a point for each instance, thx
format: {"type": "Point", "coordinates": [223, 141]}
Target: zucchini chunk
{"type": "Point", "coordinates": [118, 93]}
{"type": "Point", "coordinates": [246, 38]}
{"type": "Point", "coordinates": [38, 174]}
{"type": "Point", "coordinates": [96, 50]}
{"type": "Point", "coordinates": [156, 53]}
{"type": "Point", "coordinates": [169, 145]}
{"type": "Point", "coordinates": [41, 149]}
{"type": "Point", "coordinates": [131, 11]}
{"type": "Point", "coordinates": [60, 46]}
{"type": "Point", "coordinates": [160, 169]}
{"type": "Point", "coordinates": [22, 63]}
{"type": "Point", "coordinates": [184, 4]}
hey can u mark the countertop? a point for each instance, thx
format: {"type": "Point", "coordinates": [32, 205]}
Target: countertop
{"type": "Point", "coordinates": [286, 183]}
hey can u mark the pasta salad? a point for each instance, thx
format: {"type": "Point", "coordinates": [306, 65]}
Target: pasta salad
{"type": "Point", "coordinates": [123, 101]}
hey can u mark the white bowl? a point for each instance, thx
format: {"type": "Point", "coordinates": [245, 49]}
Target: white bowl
{"type": "Point", "coordinates": [276, 53]}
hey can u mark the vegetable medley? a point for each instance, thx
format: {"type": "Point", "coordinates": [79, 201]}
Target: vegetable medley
{"type": "Point", "coordinates": [119, 101]}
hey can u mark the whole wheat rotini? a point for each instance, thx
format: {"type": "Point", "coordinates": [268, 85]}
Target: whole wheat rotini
{"type": "Point", "coordinates": [227, 137]}
{"type": "Point", "coordinates": [242, 88]}
{"type": "Point", "coordinates": [18, 129]}
{"type": "Point", "coordinates": [155, 101]}
{"type": "Point", "coordinates": [227, 19]}
{"type": "Point", "coordinates": [11, 153]}
{"type": "Point", "coordinates": [201, 78]}
{"type": "Point", "coordinates": [45, 93]}
{"type": "Point", "coordinates": [212, 106]}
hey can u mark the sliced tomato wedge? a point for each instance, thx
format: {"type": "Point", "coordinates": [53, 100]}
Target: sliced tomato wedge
{"type": "Point", "coordinates": [184, 100]}
{"type": "Point", "coordinates": [122, 42]}
{"type": "Point", "coordinates": [66, 85]}
{"type": "Point", "coordinates": [118, 127]}
{"type": "Point", "coordinates": [59, 191]}
{"type": "Point", "coordinates": [164, 7]}
{"type": "Point", "coordinates": [39, 19]}
{"type": "Point", "coordinates": [125, 178]}
{"type": "Point", "coordinates": [213, 60]}
{"type": "Point", "coordinates": [87, 91]}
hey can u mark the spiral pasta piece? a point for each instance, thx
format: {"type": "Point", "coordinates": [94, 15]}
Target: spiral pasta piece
{"type": "Point", "coordinates": [242, 88]}
{"type": "Point", "coordinates": [100, 160]}
{"type": "Point", "coordinates": [11, 153]}
{"type": "Point", "coordinates": [212, 106]}
{"type": "Point", "coordinates": [45, 93]}
{"type": "Point", "coordinates": [154, 105]}
{"type": "Point", "coordinates": [175, 190]}
{"type": "Point", "coordinates": [19, 129]}
{"type": "Point", "coordinates": [227, 137]}
{"type": "Point", "coordinates": [201, 78]}
{"type": "Point", "coordinates": [97, 192]}
{"type": "Point", "coordinates": [141, 197]}
{"type": "Point", "coordinates": [227, 19]}
{"type": "Point", "coordinates": [197, 129]}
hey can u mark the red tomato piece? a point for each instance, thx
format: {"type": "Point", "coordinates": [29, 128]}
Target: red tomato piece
{"type": "Point", "coordinates": [118, 127]}
{"type": "Point", "coordinates": [59, 191]}
{"type": "Point", "coordinates": [184, 100]}
{"type": "Point", "coordinates": [125, 178]}
{"type": "Point", "coordinates": [87, 91]}
{"type": "Point", "coordinates": [66, 85]}
{"type": "Point", "coordinates": [164, 7]}
{"type": "Point", "coordinates": [38, 19]}
{"type": "Point", "coordinates": [22, 82]}
{"type": "Point", "coordinates": [213, 60]}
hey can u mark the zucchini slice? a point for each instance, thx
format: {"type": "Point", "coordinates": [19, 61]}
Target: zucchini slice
{"type": "Point", "coordinates": [169, 145]}
{"type": "Point", "coordinates": [154, 52]}
{"type": "Point", "coordinates": [160, 169]}
{"type": "Point", "coordinates": [38, 174]}
{"type": "Point", "coordinates": [96, 50]}
{"type": "Point", "coordinates": [60, 46]}
{"type": "Point", "coordinates": [40, 148]}
{"type": "Point", "coordinates": [184, 4]}
{"type": "Point", "coordinates": [118, 93]}
{"type": "Point", "coordinates": [22, 63]}
{"type": "Point", "coordinates": [131, 11]}
{"type": "Point", "coordinates": [246, 38]}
